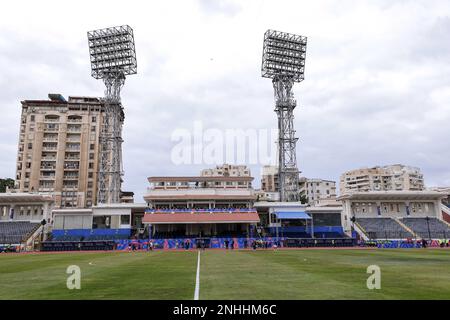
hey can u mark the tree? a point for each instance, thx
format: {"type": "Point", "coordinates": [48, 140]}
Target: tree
{"type": "Point", "coordinates": [4, 183]}
{"type": "Point", "coordinates": [304, 199]}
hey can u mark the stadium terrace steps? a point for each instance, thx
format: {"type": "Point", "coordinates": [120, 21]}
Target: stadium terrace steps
{"type": "Point", "coordinates": [433, 228]}
{"type": "Point", "coordinates": [383, 228]}
{"type": "Point", "coordinates": [445, 214]}
{"type": "Point", "coordinates": [362, 233]}
{"type": "Point", "coordinates": [446, 222]}
{"type": "Point", "coordinates": [16, 232]}
{"type": "Point", "coordinates": [406, 227]}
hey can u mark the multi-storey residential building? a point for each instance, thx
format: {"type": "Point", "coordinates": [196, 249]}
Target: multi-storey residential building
{"type": "Point", "coordinates": [269, 179]}
{"type": "Point", "coordinates": [58, 149]}
{"type": "Point", "coordinates": [393, 177]}
{"type": "Point", "coordinates": [227, 170]}
{"type": "Point", "coordinates": [315, 190]}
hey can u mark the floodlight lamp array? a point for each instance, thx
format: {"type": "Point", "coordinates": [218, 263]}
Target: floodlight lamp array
{"type": "Point", "coordinates": [112, 51]}
{"type": "Point", "coordinates": [284, 55]}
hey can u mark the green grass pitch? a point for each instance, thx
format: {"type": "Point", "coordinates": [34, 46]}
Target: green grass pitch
{"type": "Point", "coordinates": [283, 274]}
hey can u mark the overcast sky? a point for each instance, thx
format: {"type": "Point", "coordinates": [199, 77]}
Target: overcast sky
{"type": "Point", "coordinates": [376, 89]}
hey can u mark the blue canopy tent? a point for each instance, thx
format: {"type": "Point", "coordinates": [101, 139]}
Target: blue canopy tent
{"type": "Point", "coordinates": [294, 215]}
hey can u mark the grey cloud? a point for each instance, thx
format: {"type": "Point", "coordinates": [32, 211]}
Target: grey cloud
{"type": "Point", "coordinates": [226, 7]}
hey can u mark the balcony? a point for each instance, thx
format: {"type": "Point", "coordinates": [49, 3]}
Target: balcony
{"type": "Point", "coordinates": [48, 166]}
{"type": "Point", "coordinates": [74, 120]}
{"type": "Point", "coordinates": [49, 120]}
{"type": "Point", "coordinates": [73, 129]}
{"type": "Point", "coordinates": [50, 139]}
{"type": "Point", "coordinates": [73, 147]}
{"type": "Point", "coordinates": [46, 188]}
{"type": "Point", "coordinates": [71, 166]}
{"type": "Point", "coordinates": [71, 177]}
{"type": "Point", "coordinates": [46, 146]}
{"type": "Point", "coordinates": [49, 177]}
{"type": "Point", "coordinates": [70, 187]}
{"type": "Point", "coordinates": [51, 129]}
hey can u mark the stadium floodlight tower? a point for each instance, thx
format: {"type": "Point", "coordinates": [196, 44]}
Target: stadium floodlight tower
{"type": "Point", "coordinates": [283, 61]}
{"type": "Point", "coordinates": [113, 56]}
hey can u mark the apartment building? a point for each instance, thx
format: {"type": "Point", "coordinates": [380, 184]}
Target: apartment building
{"type": "Point", "coordinates": [227, 170]}
{"type": "Point", "coordinates": [396, 177]}
{"type": "Point", "coordinates": [316, 190]}
{"type": "Point", "coordinates": [269, 179]}
{"type": "Point", "coordinates": [58, 149]}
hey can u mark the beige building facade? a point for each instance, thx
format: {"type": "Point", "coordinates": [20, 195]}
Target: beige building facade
{"type": "Point", "coordinates": [58, 149]}
{"type": "Point", "coordinates": [227, 170]}
{"type": "Point", "coordinates": [26, 207]}
{"type": "Point", "coordinates": [317, 190]}
{"type": "Point", "coordinates": [269, 179]}
{"type": "Point", "coordinates": [396, 177]}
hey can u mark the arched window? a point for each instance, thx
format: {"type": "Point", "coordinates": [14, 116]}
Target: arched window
{"type": "Point", "coordinates": [52, 117]}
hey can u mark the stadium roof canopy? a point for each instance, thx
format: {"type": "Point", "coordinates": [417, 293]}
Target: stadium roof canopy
{"type": "Point", "coordinates": [293, 215]}
{"type": "Point", "coordinates": [393, 195]}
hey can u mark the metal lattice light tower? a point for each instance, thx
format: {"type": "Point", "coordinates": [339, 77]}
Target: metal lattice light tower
{"type": "Point", "coordinates": [283, 61]}
{"type": "Point", "coordinates": [113, 56]}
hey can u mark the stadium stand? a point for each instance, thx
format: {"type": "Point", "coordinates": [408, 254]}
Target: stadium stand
{"type": "Point", "coordinates": [89, 238]}
{"type": "Point", "coordinates": [189, 210]}
{"type": "Point", "coordinates": [383, 228]}
{"type": "Point", "coordinates": [16, 232]}
{"type": "Point", "coordinates": [320, 232]}
{"type": "Point", "coordinates": [437, 228]}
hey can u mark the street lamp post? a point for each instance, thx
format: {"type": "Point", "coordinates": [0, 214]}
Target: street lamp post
{"type": "Point", "coordinates": [428, 226]}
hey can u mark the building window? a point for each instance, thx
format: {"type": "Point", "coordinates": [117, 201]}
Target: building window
{"type": "Point", "coordinates": [90, 175]}
{"type": "Point", "coordinates": [91, 156]}
{"type": "Point", "coordinates": [30, 146]}
{"type": "Point", "coordinates": [92, 146]}
{"type": "Point", "coordinates": [32, 118]}
{"type": "Point", "coordinates": [125, 219]}
{"type": "Point", "coordinates": [93, 129]}
{"type": "Point", "coordinates": [94, 119]}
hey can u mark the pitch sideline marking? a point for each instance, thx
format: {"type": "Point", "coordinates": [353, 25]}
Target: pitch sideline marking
{"type": "Point", "coordinates": [197, 280]}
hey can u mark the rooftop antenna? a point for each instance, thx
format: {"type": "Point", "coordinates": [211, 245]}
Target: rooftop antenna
{"type": "Point", "coordinates": [113, 57]}
{"type": "Point", "coordinates": [283, 60]}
